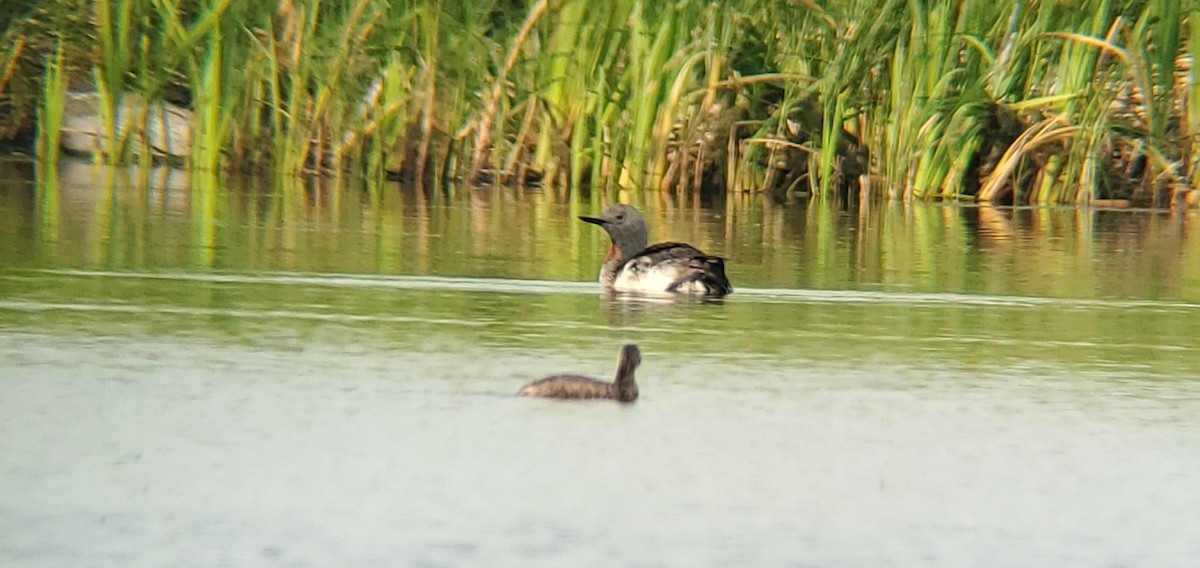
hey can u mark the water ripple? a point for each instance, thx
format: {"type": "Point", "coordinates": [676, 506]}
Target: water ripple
{"type": "Point", "coordinates": [32, 306]}
{"type": "Point", "coordinates": [520, 286]}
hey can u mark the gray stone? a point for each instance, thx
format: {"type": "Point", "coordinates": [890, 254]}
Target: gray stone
{"type": "Point", "coordinates": [168, 127]}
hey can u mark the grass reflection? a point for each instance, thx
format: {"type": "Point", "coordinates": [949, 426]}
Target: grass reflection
{"type": "Point", "coordinates": [156, 220]}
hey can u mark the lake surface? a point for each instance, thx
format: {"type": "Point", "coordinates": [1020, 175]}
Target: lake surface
{"type": "Point", "coordinates": [237, 375]}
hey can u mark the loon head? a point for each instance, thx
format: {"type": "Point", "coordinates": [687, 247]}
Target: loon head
{"type": "Point", "coordinates": [625, 226]}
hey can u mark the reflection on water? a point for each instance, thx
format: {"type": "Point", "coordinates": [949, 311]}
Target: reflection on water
{"type": "Point", "coordinates": [325, 227]}
{"type": "Point", "coordinates": [309, 377]}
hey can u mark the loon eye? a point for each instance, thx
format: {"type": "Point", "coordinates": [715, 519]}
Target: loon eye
{"type": "Point", "coordinates": [621, 217]}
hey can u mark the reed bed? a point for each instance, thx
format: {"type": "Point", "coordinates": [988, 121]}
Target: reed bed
{"type": "Point", "coordinates": [1003, 101]}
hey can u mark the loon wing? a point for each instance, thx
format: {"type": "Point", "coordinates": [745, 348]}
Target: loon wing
{"type": "Point", "coordinates": [674, 267]}
{"type": "Point", "coordinates": [707, 272]}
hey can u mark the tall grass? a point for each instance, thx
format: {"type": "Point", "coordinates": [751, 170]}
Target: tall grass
{"type": "Point", "coordinates": [49, 130]}
{"type": "Point", "coordinates": [50, 113]}
{"type": "Point", "coordinates": [1008, 101]}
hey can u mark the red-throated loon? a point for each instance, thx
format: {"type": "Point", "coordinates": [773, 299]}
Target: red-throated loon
{"type": "Point", "coordinates": [631, 266]}
{"type": "Point", "coordinates": [623, 388]}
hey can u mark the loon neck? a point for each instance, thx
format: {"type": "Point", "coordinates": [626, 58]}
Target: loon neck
{"type": "Point", "coordinates": [624, 383]}
{"type": "Point", "coordinates": [626, 244]}
{"type": "Point", "coordinates": [608, 271]}
{"type": "Point", "coordinates": [626, 387]}
{"type": "Point", "coordinates": [613, 253]}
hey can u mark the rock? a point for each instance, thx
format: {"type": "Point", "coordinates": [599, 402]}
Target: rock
{"type": "Point", "coordinates": [168, 126]}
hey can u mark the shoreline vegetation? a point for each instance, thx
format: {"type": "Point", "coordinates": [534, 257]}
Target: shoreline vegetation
{"type": "Point", "coordinates": [1010, 102]}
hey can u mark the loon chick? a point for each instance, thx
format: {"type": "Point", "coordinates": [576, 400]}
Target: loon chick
{"type": "Point", "coordinates": [623, 388]}
{"type": "Point", "coordinates": [631, 266]}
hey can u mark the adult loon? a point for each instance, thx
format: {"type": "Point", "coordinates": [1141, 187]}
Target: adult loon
{"type": "Point", "coordinates": [631, 266]}
{"type": "Point", "coordinates": [623, 388]}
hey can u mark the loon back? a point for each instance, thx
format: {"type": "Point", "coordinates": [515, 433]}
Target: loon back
{"type": "Point", "coordinates": [673, 268]}
{"type": "Point", "coordinates": [569, 386]}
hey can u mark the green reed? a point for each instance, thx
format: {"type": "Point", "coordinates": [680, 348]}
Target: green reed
{"type": "Point", "coordinates": [1010, 101]}
{"type": "Point", "coordinates": [49, 130]}
{"type": "Point", "coordinates": [50, 117]}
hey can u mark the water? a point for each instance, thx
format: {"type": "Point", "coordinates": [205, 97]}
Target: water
{"type": "Point", "coordinates": [311, 381]}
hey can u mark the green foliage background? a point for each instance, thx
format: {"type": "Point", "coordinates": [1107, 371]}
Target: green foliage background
{"type": "Point", "coordinates": [1013, 101]}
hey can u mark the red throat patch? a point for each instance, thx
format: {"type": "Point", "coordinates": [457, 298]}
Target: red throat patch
{"type": "Point", "coordinates": [612, 253]}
